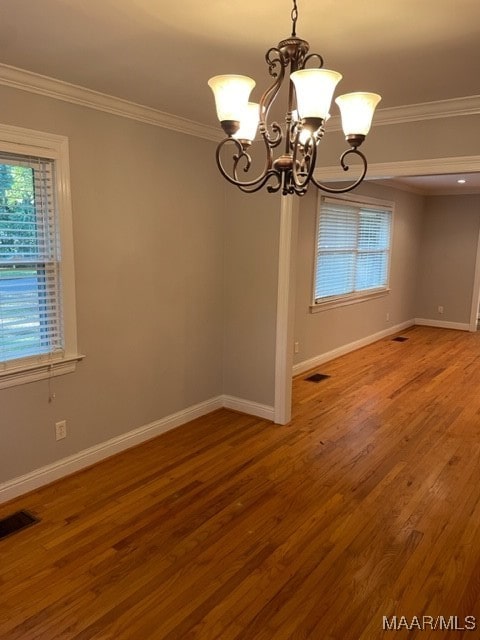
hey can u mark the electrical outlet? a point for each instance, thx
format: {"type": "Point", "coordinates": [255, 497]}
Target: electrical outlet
{"type": "Point", "coordinates": [61, 430]}
{"type": "Point", "coordinates": [296, 347]}
{"type": "Point", "coordinates": [440, 308]}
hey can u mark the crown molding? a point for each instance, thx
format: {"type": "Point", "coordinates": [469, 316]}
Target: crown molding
{"type": "Point", "coordinates": [451, 108]}
{"type": "Point", "coordinates": [60, 90]}
{"type": "Point", "coordinates": [428, 166]}
{"type": "Point", "coordinates": [67, 92]}
{"type": "Point", "coordinates": [392, 182]}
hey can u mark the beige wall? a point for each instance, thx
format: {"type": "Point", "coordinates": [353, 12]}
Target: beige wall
{"type": "Point", "coordinates": [411, 294]}
{"type": "Point", "coordinates": [419, 140]}
{"type": "Point", "coordinates": [251, 268]}
{"type": "Point", "coordinates": [434, 253]}
{"type": "Point", "coordinates": [176, 276]}
{"type": "Point", "coordinates": [148, 238]}
{"type": "Point", "coordinates": [446, 273]}
{"type": "Point", "coordinates": [319, 333]}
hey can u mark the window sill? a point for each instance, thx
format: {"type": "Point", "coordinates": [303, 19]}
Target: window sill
{"type": "Point", "coordinates": [347, 300]}
{"type": "Point", "coordinates": [38, 371]}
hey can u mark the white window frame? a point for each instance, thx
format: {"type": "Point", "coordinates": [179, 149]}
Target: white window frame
{"type": "Point", "coordinates": [353, 297]}
{"type": "Point", "coordinates": [35, 143]}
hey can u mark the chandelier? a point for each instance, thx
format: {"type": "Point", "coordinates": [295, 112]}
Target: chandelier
{"type": "Point", "coordinates": [310, 92]}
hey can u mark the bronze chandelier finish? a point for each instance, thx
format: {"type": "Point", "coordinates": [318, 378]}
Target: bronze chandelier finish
{"type": "Point", "coordinates": [293, 170]}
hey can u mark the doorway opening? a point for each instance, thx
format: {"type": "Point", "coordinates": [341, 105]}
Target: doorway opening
{"type": "Point", "coordinates": [287, 260]}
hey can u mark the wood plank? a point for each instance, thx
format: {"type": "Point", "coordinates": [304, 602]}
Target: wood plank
{"type": "Point", "coordinates": [231, 528]}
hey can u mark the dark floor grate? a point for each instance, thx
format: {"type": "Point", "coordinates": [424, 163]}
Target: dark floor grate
{"type": "Point", "coordinates": [317, 377]}
{"type": "Point", "coordinates": [16, 522]}
{"type": "Point", "coordinates": [399, 339]}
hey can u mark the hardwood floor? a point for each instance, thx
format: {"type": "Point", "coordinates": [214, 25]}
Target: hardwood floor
{"type": "Point", "coordinates": [231, 528]}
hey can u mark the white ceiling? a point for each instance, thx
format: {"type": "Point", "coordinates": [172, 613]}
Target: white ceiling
{"type": "Point", "coordinates": [446, 184]}
{"type": "Point", "coordinates": [161, 54]}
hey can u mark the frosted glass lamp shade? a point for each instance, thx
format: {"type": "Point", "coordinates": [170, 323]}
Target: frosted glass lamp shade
{"type": "Point", "coordinates": [357, 112]}
{"type": "Point", "coordinates": [231, 96]}
{"type": "Point", "coordinates": [249, 122]}
{"type": "Point", "coordinates": [314, 89]}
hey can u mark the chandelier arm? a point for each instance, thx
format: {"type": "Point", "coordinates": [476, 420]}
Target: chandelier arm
{"type": "Point", "coordinates": [272, 173]}
{"type": "Point", "coordinates": [243, 156]}
{"type": "Point", "coordinates": [303, 168]}
{"type": "Point", "coordinates": [345, 167]}
{"type": "Point", "coordinates": [277, 70]}
{"type": "Point", "coordinates": [290, 188]}
{"type": "Point", "coordinates": [313, 56]}
{"type": "Point", "coordinates": [274, 62]}
{"type": "Point", "coordinates": [273, 137]}
{"type": "Point", "coordinates": [298, 192]}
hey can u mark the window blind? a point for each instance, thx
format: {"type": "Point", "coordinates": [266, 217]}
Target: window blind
{"type": "Point", "coordinates": [30, 309]}
{"type": "Point", "coordinates": [353, 247]}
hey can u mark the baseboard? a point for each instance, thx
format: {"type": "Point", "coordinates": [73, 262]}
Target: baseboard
{"type": "Point", "coordinates": [306, 365]}
{"type": "Point", "coordinates": [61, 468]}
{"type": "Point", "coordinates": [442, 324]}
{"type": "Point", "coordinates": [247, 406]}
{"type": "Point", "coordinates": [40, 477]}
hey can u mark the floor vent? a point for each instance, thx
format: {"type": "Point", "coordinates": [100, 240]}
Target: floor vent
{"type": "Point", "coordinates": [16, 522]}
{"type": "Point", "coordinates": [317, 377]}
{"type": "Point", "coordinates": [399, 339]}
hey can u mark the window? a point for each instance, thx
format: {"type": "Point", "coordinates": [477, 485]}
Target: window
{"type": "Point", "coordinates": [353, 251]}
{"type": "Point", "coordinates": [37, 303]}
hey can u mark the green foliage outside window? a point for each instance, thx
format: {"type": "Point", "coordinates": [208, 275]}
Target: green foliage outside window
{"type": "Point", "coordinates": [18, 224]}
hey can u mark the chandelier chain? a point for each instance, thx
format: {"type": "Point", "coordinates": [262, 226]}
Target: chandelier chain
{"type": "Point", "coordinates": [294, 16]}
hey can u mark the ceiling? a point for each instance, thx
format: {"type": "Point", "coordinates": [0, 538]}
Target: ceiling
{"type": "Point", "coordinates": [445, 184]}
{"type": "Point", "coordinates": [161, 54]}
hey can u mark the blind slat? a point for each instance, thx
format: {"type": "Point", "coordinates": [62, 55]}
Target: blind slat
{"type": "Point", "coordinates": [30, 308]}
{"type": "Point", "coordinates": [353, 246]}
